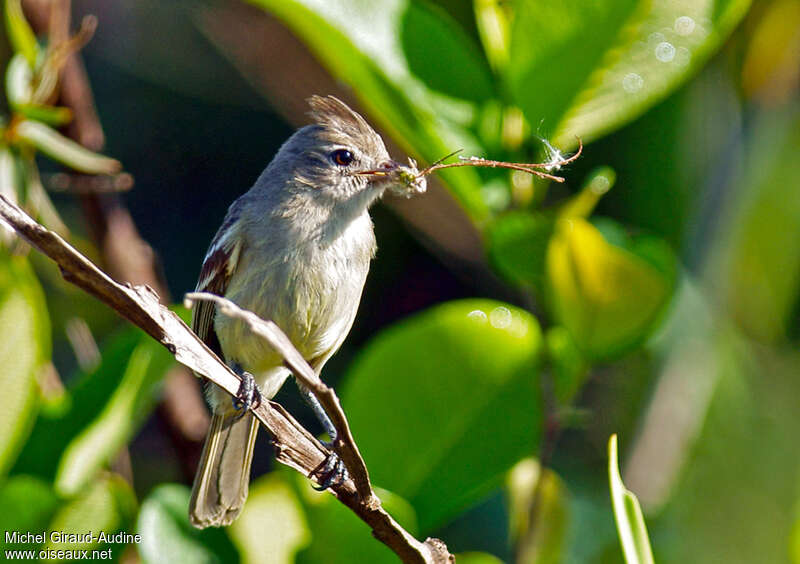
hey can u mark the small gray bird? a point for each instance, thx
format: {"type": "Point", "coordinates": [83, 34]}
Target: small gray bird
{"type": "Point", "coordinates": [295, 249]}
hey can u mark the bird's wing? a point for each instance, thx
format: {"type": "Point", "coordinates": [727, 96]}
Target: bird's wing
{"type": "Point", "coordinates": [218, 267]}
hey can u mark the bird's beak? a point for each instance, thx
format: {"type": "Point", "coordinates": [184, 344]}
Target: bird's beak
{"type": "Point", "coordinates": [386, 168]}
{"type": "Point", "coordinates": [402, 180]}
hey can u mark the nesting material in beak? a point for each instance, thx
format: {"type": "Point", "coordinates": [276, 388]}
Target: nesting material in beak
{"type": "Point", "coordinates": [404, 180]}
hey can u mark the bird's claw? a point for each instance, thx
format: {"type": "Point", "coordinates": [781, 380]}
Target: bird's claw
{"type": "Point", "coordinates": [333, 472]}
{"type": "Point", "coordinates": [248, 395]}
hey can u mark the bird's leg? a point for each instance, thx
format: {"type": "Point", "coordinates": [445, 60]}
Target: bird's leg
{"type": "Point", "coordinates": [334, 470]}
{"type": "Point", "coordinates": [248, 395]}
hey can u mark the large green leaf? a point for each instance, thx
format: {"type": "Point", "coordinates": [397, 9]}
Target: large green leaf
{"type": "Point", "coordinates": [518, 240]}
{"type": "Point", "coordinates": [445, 402]}
{"type": "Point", "coordinates": [167, 535]}
{"type": "Point", "coordinates": [107, 506]}
{"type": "Point", "coordinates": [364, 45]}
{"type": "Point", "coordinates": [518, 246]}
{"type": "Point", "coordinates": [115, 425]}
{"type": "Point", "coordinates": [99, 414]}
{"type": "Point", "coordinates": [82, 402]}
{"type": "Point", "coordinates": [24, 350]}
{"type": "Point", "coordinates": [586, 68]}
{"type": "Point", "coordinates": [554, 48]}
{"type": "Point", "coordinates": [440, 54]}
{"type": "Point", "coordinates": [627, 513]}
{"type": "Point", "coordinates": [607, 290]}
{"type": "Point", "coordinates": [337, 535]}
{"type": "Point", "coordinates": [27, 504]}
{"type": "Point", "coordinates": [273, 518]}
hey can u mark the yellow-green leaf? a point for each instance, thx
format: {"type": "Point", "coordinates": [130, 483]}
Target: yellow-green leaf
{"type": "Point", "coordinates": [64, 150]}
{"type": "Point", "coordinates": [493, 21]}
{"type": "Point", "coordinates": [272, 517]}
{"type": "Point", "coordinates": [167, 535]}
{"type": "Point", "coordinates": [541, 538]}
{"type": "Point", "coordinates": [606, 296]}
{"type": "Point", "coordinates": [19, 78]}
{"type": "Point", "coordinates": [20, 33]}
{"type": "Point", "coordinates": [598, 182]}
{"type": "Point", "coordinates": [115, 425]}
{"type": "Point", "coordinates": [24, 349]}
{"type": "Point", "coordinates": [108, 505]}
{"type": "Point", "coordinates": [8, 177]}
{"type": "Point", "coordinates": [52, 115]}
{"type": "Point", "coordinates": [627, 513]}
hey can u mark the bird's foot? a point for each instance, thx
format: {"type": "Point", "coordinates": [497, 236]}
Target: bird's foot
{"type": "Point", "coordinates": [332, 471]}
{"type": "Point", "coordinates": [248, 395]}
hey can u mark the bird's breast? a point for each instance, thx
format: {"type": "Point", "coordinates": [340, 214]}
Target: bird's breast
{"type": "Point", "coordinates": [310, 290]}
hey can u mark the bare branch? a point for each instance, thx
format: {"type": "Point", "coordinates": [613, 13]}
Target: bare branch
{"type": "Point", "coordinates": [81, 184]}
{"type": "Point", "coordinates": [277, 339]}
{"type": "Point", "coordinates": [530, 168]}
{"type": "Point", "coordinates": [294, 445]}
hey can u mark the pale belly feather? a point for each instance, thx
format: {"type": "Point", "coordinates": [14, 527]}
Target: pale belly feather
{"type": "Point", "coordinates": [315, 305]}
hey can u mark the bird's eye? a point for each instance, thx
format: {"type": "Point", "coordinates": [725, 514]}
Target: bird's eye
{"type": "Point", "coordinates": [342, 157]}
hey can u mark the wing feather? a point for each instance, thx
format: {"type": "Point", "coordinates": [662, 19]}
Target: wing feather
{"type": "Point", "coordinates": [218, 267]}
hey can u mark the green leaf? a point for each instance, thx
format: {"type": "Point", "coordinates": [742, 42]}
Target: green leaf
{"type": "Point", "coordinates": [568, 366]}
{"type": "Point", "coordinates": [597, 183]}
{"type": "Point", "coordinates": [20, 33]}
{"type": "Point", "coordinates": [9, 185]}
{"type": "Point", "coordinates": [51, 115]}
{"type": "Point", "coordinates": [540, 539]}
{"type": "Point", "coordinates": [337, 534]}
{"type": "Point", "coordinates": [83, 403]}
{"type": "Point", "coordinates": [440, 54]}
{"type": "Point", "coordinates": [26, 504]}
{"type": "Point", "coordinates": [518, 240]}
{"type": "Point", "coordinates": [64, 150]}
{"type": "Point", "coordinates": [477, 558]}
{"type": "Point", "coordinates": [608, 297]}
{"type": "Point", "coordinates": [627, 513]}
{"type": "Point", "coordinates": [361, 44]}
{"type": "Point", "coordinates": [167, 535]}
{"type": "Point", "coordinates": [554, 48]}
{"type": "Point", "coordinates": [585, 69]}
{"type": "Point", "coordinates": [444, 403]}
{"type": "Point", "coordinates": [19, 77]}
{"type": "Point", "coordinates": [108, 506]}
{"type": "Point", "coordinates": [493, 22]}
{"type": "Point", "coordinates": [123, 413]}
{"type": "Point", "coordinates": [24, 350]}
{"type": "Point", "coordinates": [518, 246]}
{"type": "Point", "coordinates": [274, 518]}
{"type": "Point", "coordinates": [39, 204]}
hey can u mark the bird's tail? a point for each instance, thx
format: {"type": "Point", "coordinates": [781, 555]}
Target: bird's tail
{"type": "Point", "coordinates": [223, 476]}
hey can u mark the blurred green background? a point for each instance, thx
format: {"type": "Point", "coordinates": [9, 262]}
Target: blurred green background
{"type": "Point", "coordinates": [509, 325]}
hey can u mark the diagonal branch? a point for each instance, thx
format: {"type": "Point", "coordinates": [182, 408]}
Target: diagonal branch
{"type": "Point", "coordinates": [277, 339]}
{"type": "Point", "coordinates": [294, 445]}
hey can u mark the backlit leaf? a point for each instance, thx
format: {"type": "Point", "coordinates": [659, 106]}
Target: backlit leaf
{"type": "Point", "coordinates": [444, 403]}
